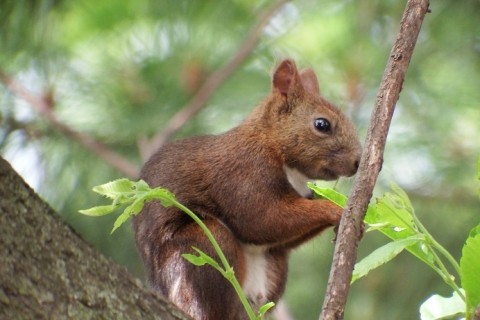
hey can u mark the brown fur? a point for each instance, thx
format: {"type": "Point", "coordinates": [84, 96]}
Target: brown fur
{"type": "Point", "coordinates": [237, 183]}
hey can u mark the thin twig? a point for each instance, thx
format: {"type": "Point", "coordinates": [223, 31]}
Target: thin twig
{"type": "Point", "coordinates": [351, 225]}
{"type": "Point", "coordinates": [45, 107]}
{"type": "Point", "coordinates": [214, 81]}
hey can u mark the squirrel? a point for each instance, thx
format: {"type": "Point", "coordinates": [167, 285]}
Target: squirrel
{"type": "Point", "coordinates": [248, 185]}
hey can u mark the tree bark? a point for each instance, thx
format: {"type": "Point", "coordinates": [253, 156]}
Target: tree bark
{"type": "Point", "coordinates": [351, 226]}
{"type": "Point", "coordinates": [47, 271]}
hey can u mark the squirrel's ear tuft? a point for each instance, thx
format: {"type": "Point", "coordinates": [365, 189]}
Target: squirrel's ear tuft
{"type": "Point", "coordinates": [285, 77]}
{"type": "Point", "coordinates": [310, 81]}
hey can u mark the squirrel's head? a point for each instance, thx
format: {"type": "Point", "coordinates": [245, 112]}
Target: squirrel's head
{"type": "Point", "coordinates": [312, 135]}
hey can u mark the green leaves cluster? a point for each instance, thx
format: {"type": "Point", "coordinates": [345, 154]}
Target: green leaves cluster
{"type": "Point", "coordinates": [133, 195]}
{"type": "Point", "coordinates": [394, 216]}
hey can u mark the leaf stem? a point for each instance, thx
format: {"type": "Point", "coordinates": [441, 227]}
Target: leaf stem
{"type": "Point", "coordinates": [227, 272]}
{"type": "Point", "coordinates": [442, 270]}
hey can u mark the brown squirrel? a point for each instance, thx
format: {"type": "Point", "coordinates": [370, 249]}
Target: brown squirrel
{"type": "Point", "coordinates": [249, 187]}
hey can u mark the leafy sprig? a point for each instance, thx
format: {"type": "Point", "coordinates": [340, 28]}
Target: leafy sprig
{"type": "Point", "coordinates": [134, 195]}
{"type": "Point", "coordinates": [394, 216]}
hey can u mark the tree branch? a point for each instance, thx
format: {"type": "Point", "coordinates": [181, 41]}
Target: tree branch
{"type": "Point", "coordinates": [351, 225]}
{"type": "Point", "coordinates": [45, 106]}
{"type": "Point", "coordinates": [214, 81]}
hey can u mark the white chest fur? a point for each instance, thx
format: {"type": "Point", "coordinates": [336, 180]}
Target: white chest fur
{"type": "Point", "coordinates": [298, 181]}
{"type": "Point", "coordinates": [257, 284]}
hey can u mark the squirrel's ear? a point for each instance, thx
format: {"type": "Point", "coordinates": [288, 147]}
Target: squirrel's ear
{"type": "Point", "coordinates": [286, 78]}
{"type": "Point", "coordinates": [310, 81]}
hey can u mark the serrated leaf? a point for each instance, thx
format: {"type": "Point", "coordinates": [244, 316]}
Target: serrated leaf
{"type": "Point", "coordinates": [475, 231]}
{"type": "Point", "coordinates": [469, 270]}
{"type": "Point", "coordinates": [136, 206]}
{"type": "Point", "coordinates": [438, 307]}
{"type": "Point", "coordinates": [141, 185]}
{"type": "Point", "coordinates": [129, 211]}
{"type": "Point", "coordinates": [115, 188]}
{"type": "Point", "coordinates": [382, 255]}
{"type": "Point", "coordinates": [166, 198]}
{"type": "Point", "coordinates": [98, 211]}
{"type": "Point", "coordinates": [120, 220]}
{"type": "Point", "coordinates": [390, 209]}
{"type": "Point", "coordinates": [402, 197]}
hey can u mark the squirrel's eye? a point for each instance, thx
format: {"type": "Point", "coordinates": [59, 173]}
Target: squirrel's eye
{"type": "Point", "coordinates": [322, 125]}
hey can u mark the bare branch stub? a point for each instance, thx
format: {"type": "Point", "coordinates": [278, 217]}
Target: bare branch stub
{"type": "Point", "coordinates": [351, 225]}
{"type": "Point", "coordinates": [214, 81]}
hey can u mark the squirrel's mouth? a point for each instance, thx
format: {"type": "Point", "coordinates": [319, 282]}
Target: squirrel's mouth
{"type": "Point", "coordinates": [328, 175]}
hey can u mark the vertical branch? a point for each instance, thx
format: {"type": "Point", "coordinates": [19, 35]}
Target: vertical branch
{"type": "Point", "coordinates": [215, 80]}
{"type": "Point", "coordinates": [351, 225]}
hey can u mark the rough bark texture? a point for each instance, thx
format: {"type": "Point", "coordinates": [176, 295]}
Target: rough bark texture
{"type": "Point", "coordinates": [351, 226]}
{"type": "Point", "coordinates": [48, 272]}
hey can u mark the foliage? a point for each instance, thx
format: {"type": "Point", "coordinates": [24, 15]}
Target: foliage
{"type": "Point", "coordinates": [119, 72]}
{"type": "Point", "coordinates": [135, 194]}
{"type": "Point", "coordinates": [394, 216]}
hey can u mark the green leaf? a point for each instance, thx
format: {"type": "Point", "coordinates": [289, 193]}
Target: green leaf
{"type": "Point", "coordinates": [475, 231]}
{"type": "Point", "coordinates": [202, 259]}
{"type": "Point", "coordinates": [470, 269]}
{"type": "Point", "coordinates": [438, 307]}
{"type": "Point", "coordinates": [165, 196]}
{"type": "Point", "coordinates": [115, 188]}
{"type": "Point", "coordinates": [330, 194]}
{"type": "Point", "coordinates": [264, 309]}
{"type": "Point", "coordinates": [98, 211]}
{"type": "Point", "coordinates": [382, 255]}
{"type": "Point", "coordinates": [141, 185]}
{"type": "Point", "coordinates": [195, 260]}
{"type": "Point", "coordinates": [392, 209]}
{"type": "Point", "coordinates": [129, 211]}
{"type": "Point", "coordinates": [136, 206]}
{"type": "Point", "coordinates": [120, 220]}
{"type": "Point", "coordinates": [338, 198]}
{"type": "Point", "coordinates": [478, 169]}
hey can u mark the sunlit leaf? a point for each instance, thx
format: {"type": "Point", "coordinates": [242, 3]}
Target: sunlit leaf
{"type": "Point", "coordinates": [478, 169]}
{"type": "Point", "coordinates": [339, 199]}
{"type": "Point", "coordinates": [264, 309]}
{"type": "Point", "coordinates": [98, 211]}
{"type": "Point", "coordinates": [381, 256]}
{"type": "Point", "coordinates": [391, 209]}
{"type": "Point", "coordinates": [165, 196]}
{"type": "Point", "coordinates": [438, 307]}
{"type": "Point", "coordinates": [470, 269]}
{"type": "Point", "coordinates": [195, 260]}
{"type": "Point", "coordinates": [120, 220]}
{"type": "Point", "coordinates": [201, 259]}
{"type": "Point", "coordinates": [141, 185]}
{"type": "Point", "coordinates": [115, 188]}
{"type": "Point", "coordinates": [330, 194]}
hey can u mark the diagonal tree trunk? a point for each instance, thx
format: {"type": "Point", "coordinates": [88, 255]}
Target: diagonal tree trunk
{"type": "Point", "coordinates": [47, 271]}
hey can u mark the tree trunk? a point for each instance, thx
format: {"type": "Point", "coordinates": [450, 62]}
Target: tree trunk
{"type": "Point", "coordinates": [47, 271]}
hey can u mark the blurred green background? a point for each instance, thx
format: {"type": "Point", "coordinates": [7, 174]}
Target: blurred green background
{"type": "Point", "coordinates": [118, 70]}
